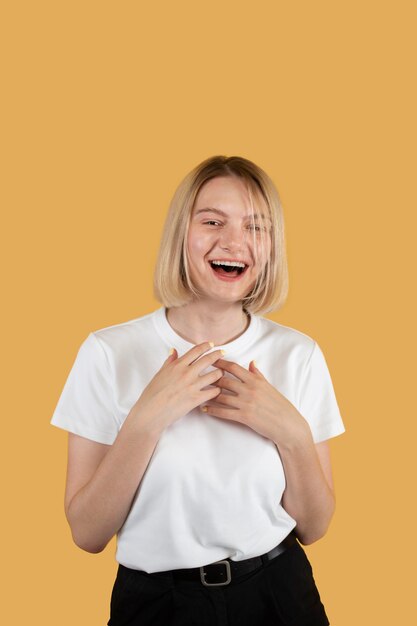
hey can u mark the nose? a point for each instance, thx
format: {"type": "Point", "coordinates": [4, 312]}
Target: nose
{"type": "Point", "coordinates": [232, 237]}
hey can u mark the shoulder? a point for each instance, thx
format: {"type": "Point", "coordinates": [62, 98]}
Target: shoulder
{"type": "Point", "coordinates": [122, 342]}
{"type": "Point", "coordinates": [122, 334]}
{"type": "Point", "coordinates": [285, 338]}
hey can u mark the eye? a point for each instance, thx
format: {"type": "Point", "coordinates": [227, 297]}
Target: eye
{"type": "Point", "coordinates": [211, 222]}
{"type": "Point", "coordinates": [256, 227]}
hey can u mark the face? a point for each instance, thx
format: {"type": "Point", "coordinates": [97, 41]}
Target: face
{"type": "Point", "coordinates": [222, 228]}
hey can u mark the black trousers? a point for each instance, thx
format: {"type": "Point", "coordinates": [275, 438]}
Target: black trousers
{"type": "Point", "coordinates": [281, 593]}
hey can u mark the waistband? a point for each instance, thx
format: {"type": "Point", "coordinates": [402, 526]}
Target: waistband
{"type": "Point", "coordinates": [225, 571]}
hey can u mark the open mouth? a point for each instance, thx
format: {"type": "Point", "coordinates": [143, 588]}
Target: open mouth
{"type": "Point", "coordinates": [228, 271]}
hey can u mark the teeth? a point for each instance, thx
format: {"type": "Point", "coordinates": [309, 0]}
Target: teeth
{"type": "Point", "coordinates": [231, 263]}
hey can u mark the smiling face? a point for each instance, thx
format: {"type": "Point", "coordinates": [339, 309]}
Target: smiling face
{"type": "Point", "coordinates": [223, 228]}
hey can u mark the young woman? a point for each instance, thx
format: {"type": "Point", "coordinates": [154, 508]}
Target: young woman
{"type": "Point", "coordinates": [198, 432]}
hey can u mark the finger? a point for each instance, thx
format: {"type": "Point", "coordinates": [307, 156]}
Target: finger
{"type": "Point", "coordinates": [228, 401]}
{"type": "Point", "coordinates": [209, 394]}
{"type": "Point", "coordinates": [234, 368]}
{"type": "Point", "coordinates": [228, 414]}
{"type": "Point", "coordinates": [173, 354]}
{"type": "Point", "coordinates": [205, 361]}
{"type": "Point", "coordinates": [229, 383]}
{"type": "Point", "coordinates": [254, 368]}
{"type": "Point", "coordinates": [212, 377]}
{"type": "Point", "coordinates": [196, 352]}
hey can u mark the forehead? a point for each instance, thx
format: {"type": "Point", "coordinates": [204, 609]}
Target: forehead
{"type": "Point", "coordinates": [229, 192]}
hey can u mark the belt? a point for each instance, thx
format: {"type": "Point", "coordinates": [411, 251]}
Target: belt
{"type": "Point", "coordinates": [221, 572]}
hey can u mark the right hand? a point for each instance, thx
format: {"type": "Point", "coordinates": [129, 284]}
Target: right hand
{"type": "Point", "coordinates": [178, 388]}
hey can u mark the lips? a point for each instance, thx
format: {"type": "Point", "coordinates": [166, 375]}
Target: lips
{"type": "Point", "coordinates": [229, 260]}
{"type": "Point", "coordinates": [223, 275]}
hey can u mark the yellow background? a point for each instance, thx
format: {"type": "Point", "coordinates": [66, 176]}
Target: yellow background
{"type": "Point", "coordinates": [106, 106]}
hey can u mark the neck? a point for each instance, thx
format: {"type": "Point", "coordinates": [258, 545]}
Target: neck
{"type": "Point", "coordinates": [197, 322]}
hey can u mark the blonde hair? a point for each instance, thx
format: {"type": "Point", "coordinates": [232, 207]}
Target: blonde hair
{"type": "Point", "coordinates": [173, 286]}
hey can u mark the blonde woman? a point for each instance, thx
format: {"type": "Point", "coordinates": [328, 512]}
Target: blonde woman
{"type": "Point", "coordinates": [198, 432]}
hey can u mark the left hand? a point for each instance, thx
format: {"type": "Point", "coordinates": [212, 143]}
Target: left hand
{"type": "Point", "coordinates": [255, 403]}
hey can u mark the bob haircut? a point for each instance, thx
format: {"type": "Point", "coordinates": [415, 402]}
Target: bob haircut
{"type": "Point", "coordinates": [173, 286]}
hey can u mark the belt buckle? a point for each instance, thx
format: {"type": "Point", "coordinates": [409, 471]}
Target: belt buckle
{"type": "Point", "coordinates": [203, 574]}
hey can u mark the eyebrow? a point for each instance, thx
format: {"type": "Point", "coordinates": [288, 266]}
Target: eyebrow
{"type": "Point", "coordinates": [220, 212]}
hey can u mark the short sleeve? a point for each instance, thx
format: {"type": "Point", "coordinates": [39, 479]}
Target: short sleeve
{"type": "Point", "coordinates": [86, 406]}
{"type": "Point", "coordinates": [318, 404]}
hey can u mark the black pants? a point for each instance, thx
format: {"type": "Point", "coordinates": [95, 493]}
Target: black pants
{"type": "Point", "coordinates": [282, 593]}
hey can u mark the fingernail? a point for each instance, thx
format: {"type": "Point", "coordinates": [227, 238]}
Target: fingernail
{"type": "Point", "coordinates": [254, 362]}
{"type": "Point", "coordinates": [222, 352]}
{"type": "Point", "coordinates": [211, 344]}
{"type": "Point", "coordinates": [171, 351]}
{"type": "Point", "coordinates": [204, 409]}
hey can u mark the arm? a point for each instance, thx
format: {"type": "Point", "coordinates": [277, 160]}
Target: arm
{"type": "Point", "coordinates": [102, 481]}
{"type": "Point", "coordinates": [309, 496]}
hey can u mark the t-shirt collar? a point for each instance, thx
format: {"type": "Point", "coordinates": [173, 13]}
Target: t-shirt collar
{"type": "Point", "coordinates": [174, 340]}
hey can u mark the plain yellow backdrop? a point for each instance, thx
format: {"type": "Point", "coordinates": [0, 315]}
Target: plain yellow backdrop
{"type": "Point", "coordinates": [106, 106]}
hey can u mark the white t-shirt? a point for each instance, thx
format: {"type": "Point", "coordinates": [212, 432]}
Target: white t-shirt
{"type": "Point", "coordinates": [213, 487]}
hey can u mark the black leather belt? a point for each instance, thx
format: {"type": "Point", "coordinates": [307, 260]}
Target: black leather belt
{"type": "Point", "coordinates": [222, 572]}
